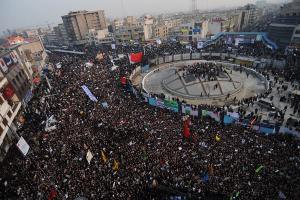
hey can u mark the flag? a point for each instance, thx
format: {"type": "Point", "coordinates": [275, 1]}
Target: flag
{"type": "Point", "coordinates": [103, 156]}
{"type": "Point", "coordinates": [8, 91]}
{"type": "Point", "coordinates": [234, 196]}
{"type": "Point", "coordinates": [89, 93]}
{"type": "Point", "coordinates": [186, 129]}
{"type": "Point", "coordinates": [105, 104]}
{"type": "Point", "coordinates": [252, 122]}
{"type": "Point", "coordinates": [116, 165]}
{"type": "Point", "coordinates": [136, 57]}
{"type": "Point", "coordinates": [123, 80]}
{"type": "Point", "coordinates": [3, 65]}
{"type": "Point", "coordinates": [158, 41]}
{"type": "Point", "coordinates": [218, 138]}
{"type": "Point", "coordinates": [281, 195]}
{"type": "Point", "coordinates": [205, 178]}
{"type": "Point", "coordinates": [53, 193]}
{"type": "Point", "coordinates": [89, 156]}
{"type": "Point", "coordinates": [259, 169]}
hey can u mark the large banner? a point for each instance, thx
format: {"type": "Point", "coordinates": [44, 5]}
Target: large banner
{"type": "Point", "coordinates": [136, 57]}
{"type": "Point", "coordinates": [228, 119]}
{"type": "Point", "coordinates": [89, 93]}
{"type": "Point", "coordinates": [196, 56]}
{"type": "Point", "coordinates": [186, 56]}
{"type": "Point", "coordinates": [160, 103]}
{"type": "Point", "coordinates": [177, 57]}
{"type": "Point", "coordinates": [160, 60]}
{"type": "Point", "coordinates": [171, 105]}
{"type": "Point", "coordinates": [214, 115]}
{"type": "Point", "coordinates": [167, 59]}
{"type": "Point", "coordinates": [23, 146]}
{"type": "Point", "coordinates": [152, 101]}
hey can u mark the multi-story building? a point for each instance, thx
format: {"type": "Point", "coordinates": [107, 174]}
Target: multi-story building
{"type": "Point", "coordinates": [118, 23]}
{"type": "Point", "coordinates": [148, 27]}
{"type": "Point", "coordinates": [51, 39]}
{"type": "Point", "coordinates": [32, 57]}
{"type": "Point", "coordinates": [211, 27]}
{"type": "Point", "coordinates": [99, 37]}
{"type": "Point", "coordinates": [285, 29]}
{"type": "Point", "coordinates": [14, 86]}
{"type": "Point", "coordinates": [78, 23]}
{"type": "Point", "coordinates": [248, 15]}
{"type": "Point", "coordinates": [189, 32]}
{"type": "Point", "coordinates": [61, 34]}
{"type": "Point", "coordinates": [127, 34]}
{"type": "Point", "coordinates": [296, 37]}
{"type": "Point", "coordinates": [161, 31]}
{"type": "Point", "coordinates": [230, 24]}
{"type": "Point", "coordinates": [130, 21]}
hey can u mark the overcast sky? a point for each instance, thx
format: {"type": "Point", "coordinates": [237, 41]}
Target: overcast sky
{"type": "Point", "coordinates": [24, 13]}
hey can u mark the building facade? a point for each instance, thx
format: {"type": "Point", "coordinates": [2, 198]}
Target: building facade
{"type": "Point", "coordinates": [211, 27]}
{"type": "Point", "coordinates": [148, 27]}
{"type": "Point", "coordinates": [78, 23]}
{"type": "Point", "coordinates": [13, 85]}
{"type": "Point", "coordinates": [284, 30]}
{"type": "Point", "coordinates": [129, 34]}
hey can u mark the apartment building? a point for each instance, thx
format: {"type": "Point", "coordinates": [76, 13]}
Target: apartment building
{"type": "Point", "coordinates": [78, 23]}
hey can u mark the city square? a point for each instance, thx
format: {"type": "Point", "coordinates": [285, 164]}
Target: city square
{"type": "Point", "coordinates": [174, 101]}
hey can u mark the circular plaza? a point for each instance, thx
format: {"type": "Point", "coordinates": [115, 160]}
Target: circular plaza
{"type": "Point", "coordinates": [201, 81]}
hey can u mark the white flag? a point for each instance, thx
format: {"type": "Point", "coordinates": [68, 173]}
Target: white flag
{"type": "Point", "coordinates": [23, 146]}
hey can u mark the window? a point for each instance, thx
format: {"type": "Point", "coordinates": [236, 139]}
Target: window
{"type": "Point", "coordinates": [1, 130]}
{"type": "Point", "coordinates": [5, 121]}
{"type": "Point", "coordinates": [1, 101]}
{"type": "Point", "coordinates": [18, 78]}
{"type": "Point", "coordinates": [9, 114]}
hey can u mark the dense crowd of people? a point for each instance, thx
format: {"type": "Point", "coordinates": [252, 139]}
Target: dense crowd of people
{"type": "Point", "coordinates": [138, 151]}
{"type": "Point", "coordinates": [206, 71]}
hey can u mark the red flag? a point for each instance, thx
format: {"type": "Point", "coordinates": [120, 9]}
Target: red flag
{"type": "Point", "coordinates": [123, 80]}
{"type": "Point", "coordinates": [136, 57]}
{"type": "Point", "coordinates": [8, 91]}
{"type": "Point", "coordinates": [53, 194]}
{"type": "Point", "coordinates": [186, 128]}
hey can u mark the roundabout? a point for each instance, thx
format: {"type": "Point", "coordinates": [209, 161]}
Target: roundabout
{"type": "Point", "coordinates": [201, 81]}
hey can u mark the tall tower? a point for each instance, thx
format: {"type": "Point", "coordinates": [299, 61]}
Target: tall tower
{"type": "Point", "coordinates": [194, 6]}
